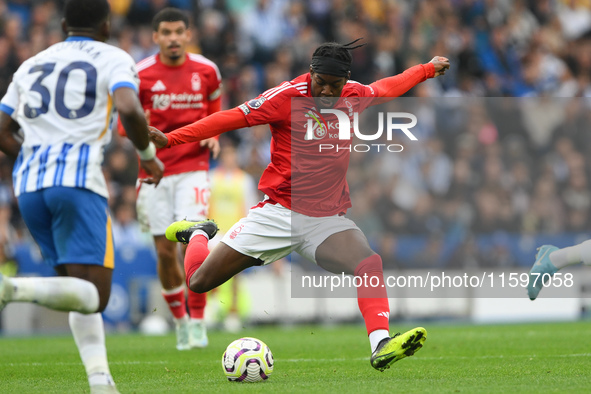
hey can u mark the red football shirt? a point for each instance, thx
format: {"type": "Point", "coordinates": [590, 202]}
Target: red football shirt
{"type": "Point", "coordinates": [299, 177]}
{"type": "Point", "coordinates": [175, 97]}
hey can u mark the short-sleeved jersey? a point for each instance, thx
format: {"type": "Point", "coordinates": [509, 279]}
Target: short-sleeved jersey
{"type": "Point", "coordinates": [298, 177]}
{"type": "Point", "coordinates": [175, 97]}
{"type": "Point", "coordinates": [62, 99]}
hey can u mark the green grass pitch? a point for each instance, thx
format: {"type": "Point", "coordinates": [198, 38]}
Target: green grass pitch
{"type": "Point", "coordinates": [313, 359]}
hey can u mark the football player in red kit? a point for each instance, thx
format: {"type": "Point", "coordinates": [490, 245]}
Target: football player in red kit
{"type": "Point", "coordinates": [305, 200]}
{"type": "Point", "coordinates": [176, 88]}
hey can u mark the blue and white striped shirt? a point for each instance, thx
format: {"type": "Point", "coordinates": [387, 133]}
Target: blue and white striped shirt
{"type": "Point", "coordinates": [62, 99]}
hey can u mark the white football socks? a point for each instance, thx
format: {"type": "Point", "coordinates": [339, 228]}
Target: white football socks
{"type": "Point", "coordinates": [375, 337]}
{"type": "Point", "coordinates": [89, 335]}
{"type": "Point", "coordinates": [572, 255]}
{"type": "Point", "coordinates": [74, 295]}
{"type": "Point", "coordinates": [59, 293]}
{"type": "Point", "coordinates": [199, 232]}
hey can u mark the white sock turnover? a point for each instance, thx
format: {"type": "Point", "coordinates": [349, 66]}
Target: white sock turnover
{"type": "Point", "coordinates": [198, 232]}
{"type": "Point", "coordinates": [60, 293]}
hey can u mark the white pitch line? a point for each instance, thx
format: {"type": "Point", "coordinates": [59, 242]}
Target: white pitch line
{"type": "Point", "coordinates": [80, 363]}
{"type": "Point", "coordinates": [307, 360]}
{"type": "Point", "coordinates": [503, 356]}
{"type": "Point", "coordinates": [418, 358]}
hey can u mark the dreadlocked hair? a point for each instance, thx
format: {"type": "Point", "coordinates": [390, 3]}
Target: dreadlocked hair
{"type": "Point", "coordinates": [337, 51]}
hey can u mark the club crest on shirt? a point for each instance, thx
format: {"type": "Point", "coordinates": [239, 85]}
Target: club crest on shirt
{"type": "Point", "coordinates": [319, 132]}
{"type": "Point", "coordinates": [256, 103]}
{"type": "Point", "coordinates": [196, 82]}
{"type": "Point", "coordinates": [317, 128]}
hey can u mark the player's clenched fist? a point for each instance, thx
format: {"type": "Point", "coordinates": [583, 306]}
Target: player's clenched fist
{"type": "Point", "coordinates": [158, 137]}
{"type": "Point", "coordinates": [441, 65]}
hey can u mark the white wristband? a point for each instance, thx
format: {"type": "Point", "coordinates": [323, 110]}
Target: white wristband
{"type": "Point", "coordinates": [149, 153]}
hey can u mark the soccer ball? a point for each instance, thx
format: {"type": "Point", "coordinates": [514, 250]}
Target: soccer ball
{"type": "Point", "coordinates": [247, 360]}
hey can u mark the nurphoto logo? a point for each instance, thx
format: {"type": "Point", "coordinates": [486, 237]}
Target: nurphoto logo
{"type": "Point", "coordinates": [318, 128]}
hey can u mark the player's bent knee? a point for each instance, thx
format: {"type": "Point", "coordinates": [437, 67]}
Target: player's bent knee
{"type": "Point", "coordinates": [104, 301]}
{"type": "Point", "coordinates": [167, 254]}
{"type": "Point", "coordinates": [104, 294]}
{"type": "Point", "coordinates": [79, 295]}
{"type": "Point", "coordinates": [199, 284]}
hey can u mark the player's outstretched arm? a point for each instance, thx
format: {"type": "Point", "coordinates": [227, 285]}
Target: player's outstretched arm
{"type": "Point", "coordinates": [399, 84]}
{"type": "Point", "coordinates": [9, 144]}
{"type": "Point", "coordinates": [134, 121]}
{"type": "Point", "coordinates": [210, 126]}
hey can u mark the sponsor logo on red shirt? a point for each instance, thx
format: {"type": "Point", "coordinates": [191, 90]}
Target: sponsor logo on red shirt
{"type": "Point", "coordinates": [236, 231]}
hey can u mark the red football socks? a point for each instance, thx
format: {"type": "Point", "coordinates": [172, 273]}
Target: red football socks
{"type": "Point", "coordinates": [372, 296]}
{"type": "Point", "coordinates": [197, 302]}
{"type": "Point", "coordinates": [195, 255]}
{"type": "Point", "coordinates": [175, 299]}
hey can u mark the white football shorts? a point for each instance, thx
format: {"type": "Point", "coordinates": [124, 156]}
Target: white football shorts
{"type": "Point", "coordinates": [272, 231]}
{"type": "Point", "coordinates": [177, 197]}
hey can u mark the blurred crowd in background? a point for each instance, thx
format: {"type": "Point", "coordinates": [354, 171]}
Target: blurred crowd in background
{"type": "Point", "coordinates": [495, 166]}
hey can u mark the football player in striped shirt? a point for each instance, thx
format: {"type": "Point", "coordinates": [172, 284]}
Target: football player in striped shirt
{"type": "Point", "coordinates": [62, 100]}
